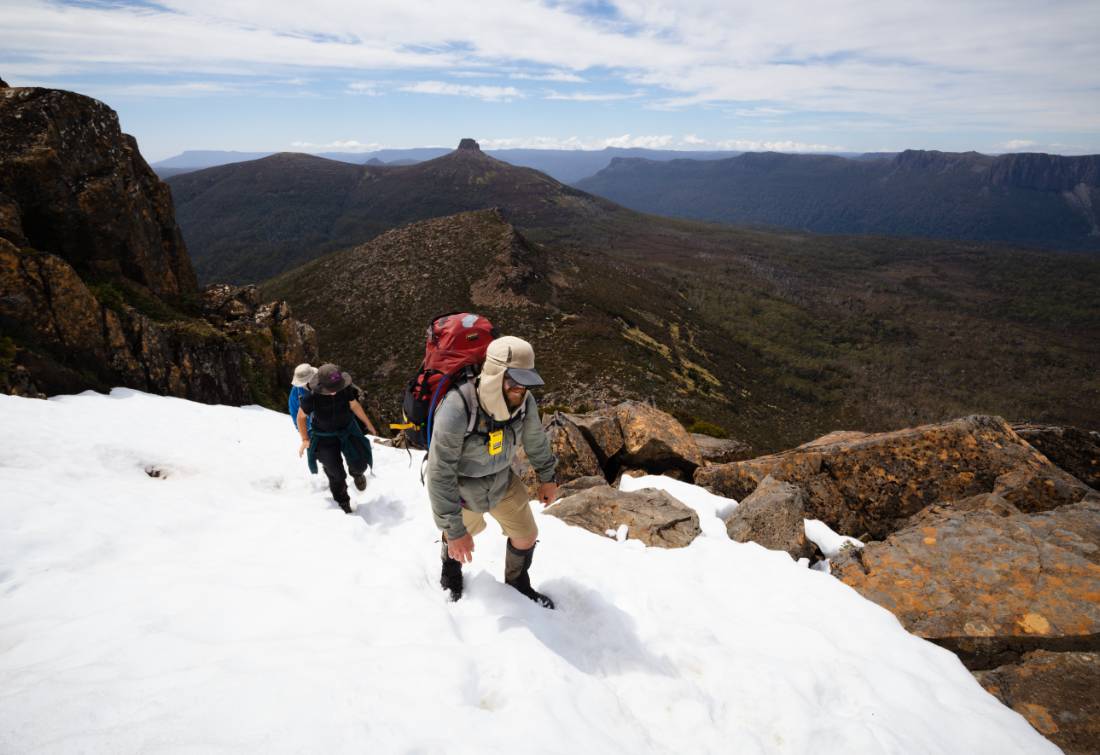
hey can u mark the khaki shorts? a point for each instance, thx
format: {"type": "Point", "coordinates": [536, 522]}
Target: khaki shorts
{"type": "Point", "coordinates": [513, 513]}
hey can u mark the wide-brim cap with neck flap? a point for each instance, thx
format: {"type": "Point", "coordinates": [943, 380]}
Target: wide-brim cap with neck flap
{"type": "Point", "coordinates": [330, 379]}
{"type": "Point", "coordinates": [517, 359]}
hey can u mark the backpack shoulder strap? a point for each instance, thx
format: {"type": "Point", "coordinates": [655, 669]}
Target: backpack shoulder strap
{"type": "Point", "coordinates": [468, 391]}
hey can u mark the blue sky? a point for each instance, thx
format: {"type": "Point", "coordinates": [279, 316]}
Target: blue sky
{"type": "Point", "coordinates": [328, 75]}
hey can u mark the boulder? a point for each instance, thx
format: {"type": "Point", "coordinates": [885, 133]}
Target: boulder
{"type": "Point", "coordinates": [1074, 450]}
{"type": "Point", "coordinates": [871, 484]}
{"type": "Point", "coordinates": [575, 456]}
{"type": "Point", "coordinates": [602, 432]}
{"type": "Point", "coordinates": [721, 450]}
{"type": "Point", "coordinates": [773, 516]}
{"type": "Point", "coordinates": [988, 583]}
{"type": "Point", "coordinates": [652, 516]}
{"type": "Point", "coordinates": [581, 483]}
{"type": "Point", "coordinates": [1056, 693]}
{"type": "Point", "coordinates": [654, 440]}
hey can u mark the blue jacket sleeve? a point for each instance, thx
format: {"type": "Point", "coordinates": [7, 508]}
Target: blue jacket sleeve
{"type": "Point", "coordinates": [293, 403]}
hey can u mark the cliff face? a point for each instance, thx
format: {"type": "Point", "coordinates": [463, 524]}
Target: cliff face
{"type": "Point", "coordinates": [1045, 172]}
{"type": "Point", "coordinates": [79, 188]}
{"type": "Point", "coordinates": [96, 286]}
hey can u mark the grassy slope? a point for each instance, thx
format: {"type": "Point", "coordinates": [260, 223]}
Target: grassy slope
{"type": "Point", "coordinates": [777, 338]}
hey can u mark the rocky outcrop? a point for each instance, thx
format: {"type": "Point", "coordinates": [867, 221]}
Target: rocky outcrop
{"type": "Point", "coordinates": [575, 456]}
{"type": "Point", "coordinates": [602, 432]}
{"type": "Point", "coordinates": [721, 450]}
{"type": "Point", "coordinates": [991, 582]}
{"type": "Point", "coordinates": [871, 484]}
{"type": "Point", "coordinates": [72, 339]}
{"type": "Point", "coordinates": [773, 516]}
{"type": "Point", "coordinates": [1074, 450]}
{"type": "Point", "coordinates": [654, 440]}
{"type": "Point", "coordinates": [1056, 693]}
{"type": "Point", "coordinates": [82, 191]}
{"type": "Point", "coordinates": [96, 288]}
{"type": "Point", "coordinates": [652, 516]}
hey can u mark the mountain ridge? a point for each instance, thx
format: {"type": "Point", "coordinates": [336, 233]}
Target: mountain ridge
{"type": "Point", "coordinates": [1039, 200]}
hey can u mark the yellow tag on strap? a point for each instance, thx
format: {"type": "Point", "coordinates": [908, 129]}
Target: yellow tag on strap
{"type": "Point", "coordinates": [496, 442]}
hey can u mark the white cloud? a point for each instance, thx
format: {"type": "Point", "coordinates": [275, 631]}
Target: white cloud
{"type": "Point", "coordinates": [590, 96]}
{"type": "Point", "coordinates": [487, 93]}
{"type": "Point", "coordinates": [563, 76]}
{"type": "Point", "coordinates": [759, 112]}
{"type": "Point", "coordinates": [752, 145]}
{"type": "Point", "coordinates": [934, 65]}
{"type": "Point", "coordinates": [687, 142]}
{"type": "Point", "coordinates": [1016, 145]}
{"type": "Point", "coordinates": [366, 88]}
{"type": "Point", "coordinates": [340, 145]}
{"type": "Point", "coordinates": [183, 89]}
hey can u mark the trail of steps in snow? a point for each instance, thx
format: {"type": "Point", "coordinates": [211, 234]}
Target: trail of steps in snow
{"type": "Point", "coordinates": [228, 605]}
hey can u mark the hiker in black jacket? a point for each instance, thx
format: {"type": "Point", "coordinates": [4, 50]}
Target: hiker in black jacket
{"type": "Point", "coordinates": [331, 432]}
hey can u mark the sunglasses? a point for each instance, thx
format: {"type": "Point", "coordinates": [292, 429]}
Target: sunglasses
{"type": "Point", "coordinates": [511, 385]}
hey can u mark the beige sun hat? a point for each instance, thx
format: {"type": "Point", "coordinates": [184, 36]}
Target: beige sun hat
{"type": "Point", "coordinates": [303, 373]}
{"type": "Point", "coordinates": [509, 356]}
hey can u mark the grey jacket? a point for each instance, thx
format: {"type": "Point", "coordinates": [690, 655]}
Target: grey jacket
{"type": "Point", "coordinates": [460, 469]}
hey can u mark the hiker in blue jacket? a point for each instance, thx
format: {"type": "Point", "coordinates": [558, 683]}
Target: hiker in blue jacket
{"type": "Point", "coordinates": [299, 386]}
{"type": "Point", "coordinates": [329, 432]}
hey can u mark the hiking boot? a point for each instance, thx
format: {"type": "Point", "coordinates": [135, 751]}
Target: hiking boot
{"type": "Point", "coordinates": [360, 482]}
{"type": "Point", "coordinates": [451, 577]}
{"type": "Point", "coordinates": [516, 566]}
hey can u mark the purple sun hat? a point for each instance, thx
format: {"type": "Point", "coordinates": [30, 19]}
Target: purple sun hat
{"type": "Point", "coordinates": [330, 379]}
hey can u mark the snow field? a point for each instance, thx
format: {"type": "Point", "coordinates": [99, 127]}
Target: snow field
{"type": "Point", "coordinates": [228, 605]}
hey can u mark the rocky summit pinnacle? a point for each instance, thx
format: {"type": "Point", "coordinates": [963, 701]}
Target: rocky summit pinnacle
{"type": "Point", "coordinates": [3, 84]}
{"type": "Point", "coordinates": [469, 144]}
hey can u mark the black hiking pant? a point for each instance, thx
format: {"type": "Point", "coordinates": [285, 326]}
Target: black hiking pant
{"type": "Point", "coordinates": [327, 451]}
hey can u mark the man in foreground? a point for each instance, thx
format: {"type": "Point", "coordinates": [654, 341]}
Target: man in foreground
{"type": "Point", "coordinates": [470, 473]}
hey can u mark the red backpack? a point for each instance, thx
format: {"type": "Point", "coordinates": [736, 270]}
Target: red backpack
{"type": "Point", "coordinates": [453, 354]}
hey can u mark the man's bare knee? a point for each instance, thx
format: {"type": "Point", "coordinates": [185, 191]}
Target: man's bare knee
{"type": "Point", "coordinates": [523, 543]}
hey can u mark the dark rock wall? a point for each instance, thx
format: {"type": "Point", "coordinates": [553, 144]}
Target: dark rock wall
{"type": "Point", "coordinates": [83, 192]}
{"type": "Point", "coordinates": [96, 286]}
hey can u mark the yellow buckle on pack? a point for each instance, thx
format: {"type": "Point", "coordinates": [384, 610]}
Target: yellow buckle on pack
{"type": "Point", "coordinates": [496, 442]}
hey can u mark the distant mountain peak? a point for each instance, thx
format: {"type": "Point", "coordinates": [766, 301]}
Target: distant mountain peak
{"type": "Point", "coordinates": [469, 144]}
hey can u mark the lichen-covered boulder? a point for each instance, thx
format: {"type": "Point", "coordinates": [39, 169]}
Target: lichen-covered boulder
{"type": "Point", "coordinates": [1058, 694]}
{"type": "Point", "coordinates": [603, 433]}
{"type": "Point", "coordinates": [654, 440]}
{"type": "Point", "coordinates": [581, 483]}
{"type": "Point", "coordinates": [652, 516]}
{"type": "Point", "coordinates": [988, 583]}
{"type": "Point", "coordinates": [871, 484]}
{"type": "Point", "coordinates": [721, 450]}
{"type": "Point", "coordinates": [774, 517]}
{"type": "Point", "coordinates": [1074, 450]}
{"type": "Point", "coordinates": [575, 456]}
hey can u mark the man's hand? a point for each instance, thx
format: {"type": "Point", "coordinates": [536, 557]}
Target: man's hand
{"type": "Point", "coordinates": [462, 549]}
{"type": "Point", "coordinates": [302, 448]}
{"type": "Point", "coordinates": [548, 492]}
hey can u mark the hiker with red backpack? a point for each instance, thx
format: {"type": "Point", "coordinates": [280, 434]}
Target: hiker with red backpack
{"type": "Point", "coordinates": [474, 433]}
{"type": "Point", "coordinates": [328, 428]}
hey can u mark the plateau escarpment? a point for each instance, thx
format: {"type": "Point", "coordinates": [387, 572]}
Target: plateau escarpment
{"type": "Point", "coordinates": [1039, 200]}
